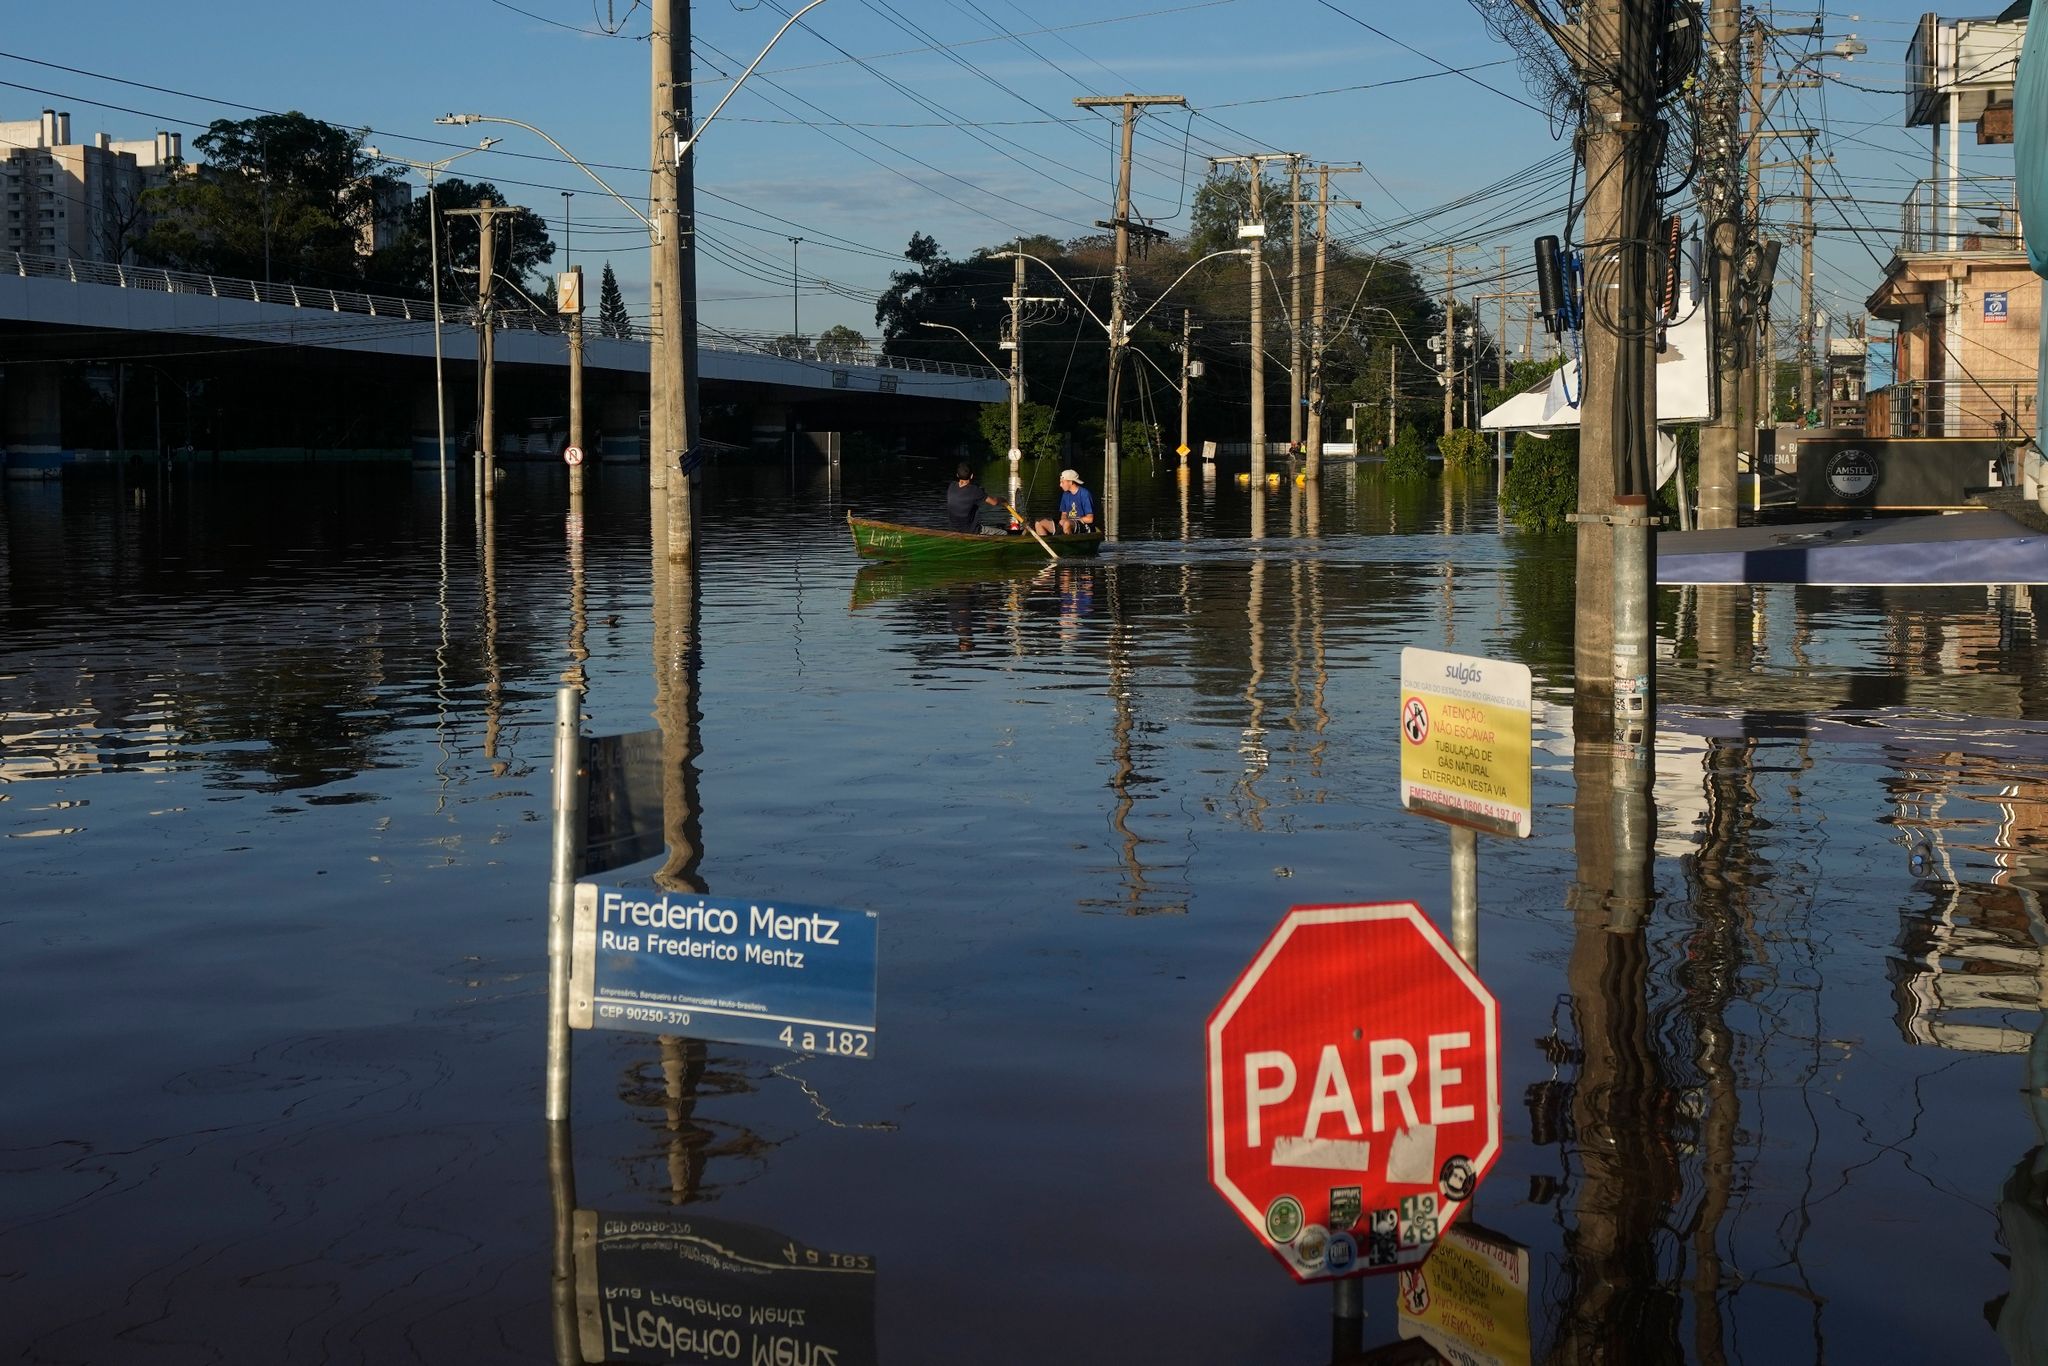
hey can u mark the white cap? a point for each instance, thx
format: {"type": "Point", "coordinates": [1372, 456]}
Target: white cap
{"type": "Point", "coordinates": [1074, 475]}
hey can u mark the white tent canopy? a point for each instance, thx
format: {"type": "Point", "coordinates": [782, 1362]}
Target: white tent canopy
{"type": "Point", "coordinates": [1683, 392]}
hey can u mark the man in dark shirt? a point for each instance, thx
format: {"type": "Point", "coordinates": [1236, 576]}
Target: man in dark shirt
{"type": "Point", "coordinates": [964, 500]}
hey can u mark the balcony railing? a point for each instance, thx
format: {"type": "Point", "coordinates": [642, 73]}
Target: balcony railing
{"type": "Point", "coordinates": [1987, 216]}
{"type": "Point", "coordinates": [1986, 409]}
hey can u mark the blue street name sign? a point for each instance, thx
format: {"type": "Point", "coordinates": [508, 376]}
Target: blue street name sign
{"type": "Point", "coordinates": [680, 1288]}
{"type": "Point", "coordinates": [786, 976]}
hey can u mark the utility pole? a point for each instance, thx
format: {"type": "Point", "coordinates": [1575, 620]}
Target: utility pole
{"type": "Point", "coordinates": [1450, 373]}
{"type": "Point", "coordinates": [1187, 346]}
{"type": "Point", "coordinates": [1614, 658]}
{"type": "Point", "coordinates": [1121, 223]}
{"type": "Point", "coordinates": [1294, 385]}
{"type": "Point", "coordinates": [486, 213]}
{"type": "Point", "coordinates": [1502, 296]}
{"type": "Point", "coordinates": [1016, 364]}
{"type": "Point", "coordinates": [573, 280]}
{"type": "Point", "coordinates": [1255, 232]}
{"type": "Point", "coordinates": [1806, 284]}
{"type": "Point", "coordinates": [1721, 439]}
{"type": "Point", "coordinates": [1313, 470]}
{"type": "Point", "coordinates": [672, 281]}
{"type": "Point", "coordinates": [1392, 358]}
{"type": "Point", "coordinates": [796, 327]}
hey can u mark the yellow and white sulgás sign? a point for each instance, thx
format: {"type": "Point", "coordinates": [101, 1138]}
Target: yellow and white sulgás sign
{"type": "Point", "coordinates": [1465, 740]}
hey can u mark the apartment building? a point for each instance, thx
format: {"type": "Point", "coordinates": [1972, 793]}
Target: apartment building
{"type": "Point", "coordinates": [77, 200]}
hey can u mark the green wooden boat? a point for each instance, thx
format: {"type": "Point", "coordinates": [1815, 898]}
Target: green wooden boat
{"type": "Point", "coordinates": [926, 545]}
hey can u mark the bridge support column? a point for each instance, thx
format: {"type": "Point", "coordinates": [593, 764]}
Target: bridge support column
{"type": "Point", "coordinates": [32, 422]}
{"type": "Point", "coordinates": [768, 425]}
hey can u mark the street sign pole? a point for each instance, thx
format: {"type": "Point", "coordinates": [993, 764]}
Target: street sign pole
{"type": "Point", "coordinates": [1465, 893]}
{"type": "Point", "coordinates": [568, 854]}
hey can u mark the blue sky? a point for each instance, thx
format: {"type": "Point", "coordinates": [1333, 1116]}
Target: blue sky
{"type": "Point", "coordinates": [958, 121]}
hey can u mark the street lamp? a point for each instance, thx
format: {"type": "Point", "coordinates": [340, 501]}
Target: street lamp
{"type": "Point", "coordinates": [964, 337]}
{"type": "Point", "coordinates": [430, 169]}
{"type": "Point", "coordinates": [518, 123]}
{"type": "Point", "coordinates": [795, 329]}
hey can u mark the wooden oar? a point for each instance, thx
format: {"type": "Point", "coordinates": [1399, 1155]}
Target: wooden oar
{"type": "Point", "coordinates": [1033, 530]}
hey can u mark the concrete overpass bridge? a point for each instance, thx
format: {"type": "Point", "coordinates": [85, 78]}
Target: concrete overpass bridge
{"type": "Point", "coordinates": [86, 337]}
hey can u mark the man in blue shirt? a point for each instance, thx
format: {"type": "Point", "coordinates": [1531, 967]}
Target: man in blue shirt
{"type": "Point", "coordinates": [1077, 509]}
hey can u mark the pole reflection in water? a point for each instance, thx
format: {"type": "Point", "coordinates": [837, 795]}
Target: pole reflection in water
{"type": "Point", "coordinates": [1252, 744]}
{"type": "Point", "coordinates": [1124, 775]}
{"type": "Point", "coordinates": [1614, 1302]}
{"type": "Point", "coordinates": [494, 674]}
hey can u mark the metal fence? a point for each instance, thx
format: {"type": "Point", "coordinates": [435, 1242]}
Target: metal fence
{"type": "Point", "coordinates": [1986, 218]}
{"type": "Point", "coordinates": [1965, 408]}
{"type": "Point", "coordinates": [313, 297]}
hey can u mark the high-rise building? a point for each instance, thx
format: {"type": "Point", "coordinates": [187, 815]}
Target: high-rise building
{"type": "Point", "coordinates": [79, 201]}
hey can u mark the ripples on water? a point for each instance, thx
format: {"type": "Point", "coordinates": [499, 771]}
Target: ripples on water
{"type": "Point", "coordinates": [273, 794]}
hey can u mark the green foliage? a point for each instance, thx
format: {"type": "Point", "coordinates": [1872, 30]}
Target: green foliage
{"type": "Point", "coordinates": [1409, 459]}
{"type": "Point", "coordinates": [1037, 437]}
{"type": "Point", "coordinates": [1465, 450]}
{"type": "Point", "coordinates": [522, 246]}
{"type": "Point", "coordinates": [1136, 438]}
{"type": "Point", "coordinates": [1523, 375]}
{"type": "Point", "coordinates": [1224, 201]}
{"type": "Point", "coordinates": [1543, 481]}
{"type": "Point", "coordinates": [612, 318]}
{"type": "Point", "coordinates": [840, 343]}
{"type": "Point", "coordinates": [282, 197]}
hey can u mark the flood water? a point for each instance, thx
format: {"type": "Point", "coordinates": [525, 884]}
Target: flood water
{"type": "Point", "coordinates": [274, 830]}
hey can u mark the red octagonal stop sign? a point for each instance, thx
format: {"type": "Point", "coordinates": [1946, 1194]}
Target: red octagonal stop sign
{"type": "Point", "coordinates": [1354, 1089]}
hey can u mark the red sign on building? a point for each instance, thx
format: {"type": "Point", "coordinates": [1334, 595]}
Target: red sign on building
{"type": "Point", "coordinates": [1354, 1089]}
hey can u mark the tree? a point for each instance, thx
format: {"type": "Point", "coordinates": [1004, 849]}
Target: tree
{"type": "Point", "coordinates": [963, 294]}
{"type": "Point", "coordinates": [523, 244]}
{"type": "Point", "coordinates": [790, 346]}
{"type": "Point", "coordinates": [1224, 201]}
{"type": "Point", "coordinates": [279, 197]}
{"type": "Point", "coordinates": [840, 343]}
{"type": "Point", "coordinates": [612, 318]}
{"type": "Point", "coordinates": [1037, 436]}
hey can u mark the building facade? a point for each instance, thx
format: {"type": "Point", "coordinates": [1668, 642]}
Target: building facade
{"type": "Point", "coordinates": [77, 201]}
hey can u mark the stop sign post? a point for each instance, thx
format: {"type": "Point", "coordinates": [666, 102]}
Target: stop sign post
{"type": "Point", "coordinates": [1354, 1089]}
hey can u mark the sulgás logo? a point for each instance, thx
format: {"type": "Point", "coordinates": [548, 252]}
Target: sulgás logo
{"type": "Point", "coordinates": [1462, 673]}
{"type": "Point", "coordinates": [1852, 473]}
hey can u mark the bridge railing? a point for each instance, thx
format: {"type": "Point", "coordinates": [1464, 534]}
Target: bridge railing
{"type": "Point", "coordinates": [160, 280]}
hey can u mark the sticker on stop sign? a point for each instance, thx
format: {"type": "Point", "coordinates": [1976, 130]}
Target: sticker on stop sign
{"type": "Point", "coordinates": [1354, 1089]}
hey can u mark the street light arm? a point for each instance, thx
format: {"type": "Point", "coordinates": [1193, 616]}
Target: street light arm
{"type": "Point", "coordinates": [1012, 255]}
{"type": "Point", "coordinates": [1229, 251]}
{"type": "Point", "coordinates": [963, 337]}
{"type": "Point", "coordinates": [684, 144]}
{"type": "Point", "coordinates": [516, 123]}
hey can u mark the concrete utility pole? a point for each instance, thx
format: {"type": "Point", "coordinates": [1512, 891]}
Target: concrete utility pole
{"type": "Point", "coordinates": [1614, 660]}
{"type": "Point", "coordinates": [1294, 384]}
{"type": "Point", "coordinates": [1187, 345]}
{"type": "Point", "coordinates": [1502, 296]}
{"type": "Point", "coordinates": [576, 381]}
{"type": "Point", "coordinates": [672, 413]}
{"type": "Point", "coordinates": [1450, 373]}
{"type": "Point", "coordinates": [486, 214]}
{"type": "Point", "coordinates": [1016, 363]}
{"type": "Point", "coordinates": [1255, 232]}
{"type": "Point", "coordinates": [1313, 469]}
{"type": "Point", "coordinates": [1806, 283]}
{"type": "Point", "coordinates": [1721, 439]}
{"type": "Point", "coordinates": [1121, 223]}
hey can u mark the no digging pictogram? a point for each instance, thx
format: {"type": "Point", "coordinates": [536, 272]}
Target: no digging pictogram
{"type": "Point", "coordinates": [1415, 720]}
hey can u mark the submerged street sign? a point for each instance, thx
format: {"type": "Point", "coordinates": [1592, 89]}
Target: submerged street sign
{"type": "Point", "coordinates": [1470, 1300]}
{"type": "Point", "coordinates": [1354, 1089]}
{"type": "Point", "coordinates": [1465, 740]}
{"type": "Point", "coordinates": [682, 1288]}
{"type": "Point", "coordinates": [783, 976]}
